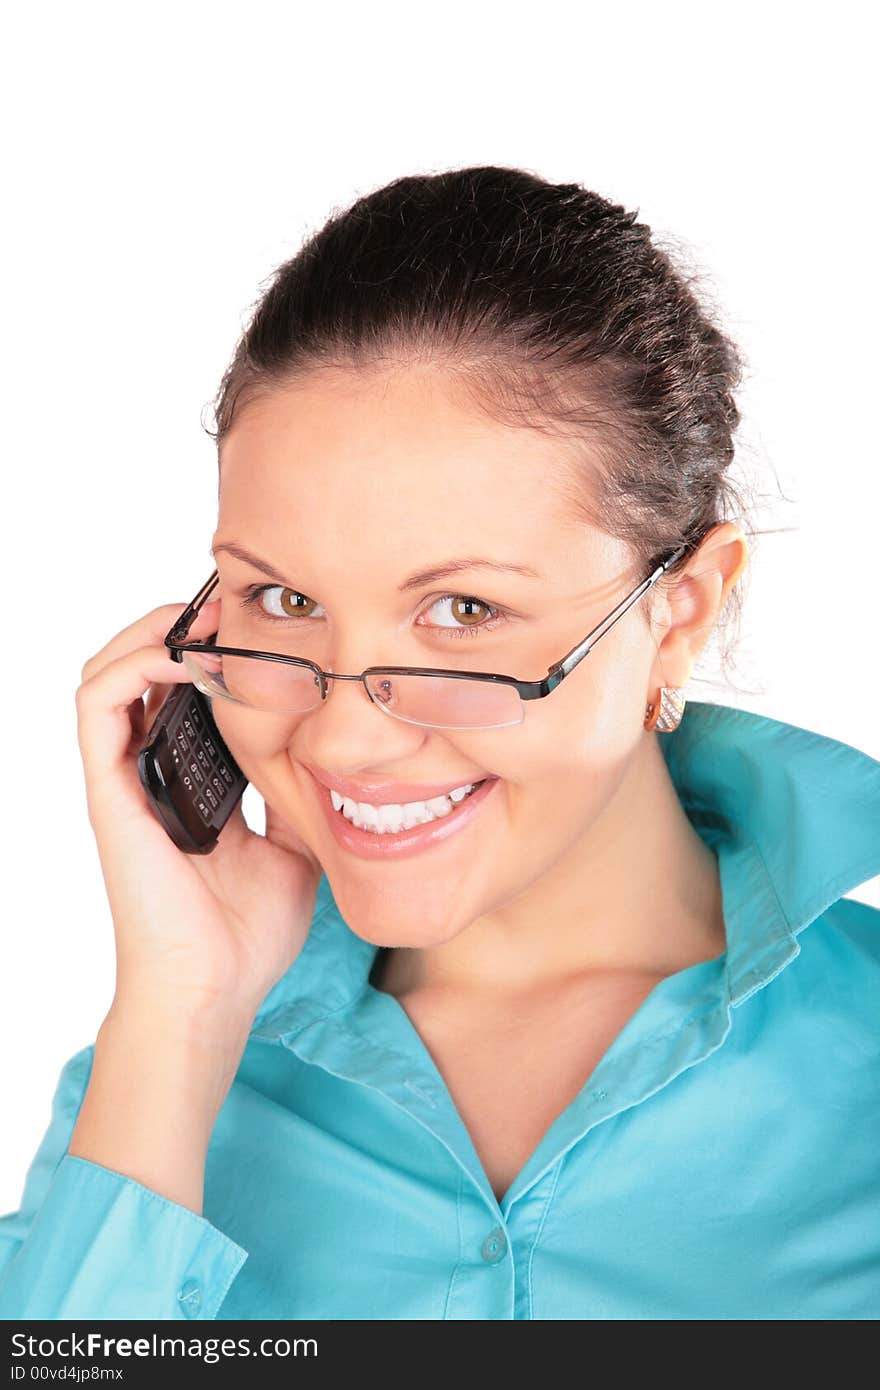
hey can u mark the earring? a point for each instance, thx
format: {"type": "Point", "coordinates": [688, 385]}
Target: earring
{"type": "Point", "coordinates": [664, 713]}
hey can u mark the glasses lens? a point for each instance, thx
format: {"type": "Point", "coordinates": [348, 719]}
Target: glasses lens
{"type": "Point", "coordinates": [276, 686]}
{"type": "Point", "coordinates": [446, 702]}
{"type": "Point", "coordinates": [441, 702]}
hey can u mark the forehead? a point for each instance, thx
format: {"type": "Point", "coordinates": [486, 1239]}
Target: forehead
{"type": "Point", "coordinates": [387, 463]}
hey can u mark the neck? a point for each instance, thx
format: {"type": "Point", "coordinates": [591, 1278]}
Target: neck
{"type": "Point", "coordinates": [639, 892]}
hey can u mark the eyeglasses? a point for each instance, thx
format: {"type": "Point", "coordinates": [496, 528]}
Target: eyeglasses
{"type": "Point", "coordinates": [432, 697]}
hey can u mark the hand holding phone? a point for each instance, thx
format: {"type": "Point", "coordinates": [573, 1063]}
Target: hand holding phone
{"type": "Point", "coordinates": [194, 930]}
{"type": "Point", "coordinates": [191, 779]}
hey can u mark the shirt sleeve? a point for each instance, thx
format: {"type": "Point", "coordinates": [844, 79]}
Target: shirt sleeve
{"type": "Point", "coordinates": [88, 1242]}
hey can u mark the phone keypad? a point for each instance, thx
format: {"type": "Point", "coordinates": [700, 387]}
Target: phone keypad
{"type": "Point", "coordinates": [197, 775]}
{"type": "Point", "coordinates": [204, 773]}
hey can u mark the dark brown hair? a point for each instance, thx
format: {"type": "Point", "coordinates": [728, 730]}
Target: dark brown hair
{"type": "Point", "coordinates": [555, 309]}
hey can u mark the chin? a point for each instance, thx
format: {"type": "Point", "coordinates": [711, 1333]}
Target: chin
{"type": "Point", "coordinates": [386, 918]}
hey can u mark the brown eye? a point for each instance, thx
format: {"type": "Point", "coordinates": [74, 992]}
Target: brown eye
{"type": "Point", "coordinates": [273, 601]}
{"type": "Point", "coordinates": [466, 610]}
{"type": "Point", "coordinates": [457, 615]}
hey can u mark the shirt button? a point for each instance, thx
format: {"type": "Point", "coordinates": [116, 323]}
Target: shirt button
{"type": "Point", "coordinates": [494, 1247]}
{"type": "Point", "coordinates": [190, 1298]}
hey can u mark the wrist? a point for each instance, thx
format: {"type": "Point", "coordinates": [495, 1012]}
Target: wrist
{"type": "Point", "coordinates": [188, 1059]}
{"type": "Point", "coordinates": [181, 1020]}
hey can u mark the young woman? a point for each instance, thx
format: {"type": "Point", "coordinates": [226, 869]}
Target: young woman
{"type": "Point", "coordinates": [512, 1012]}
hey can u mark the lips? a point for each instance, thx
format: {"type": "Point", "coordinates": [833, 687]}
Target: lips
{"type": "Point", "coordinates": [386, 793]}
{"type": "Point", "coordinates": [388, 848]}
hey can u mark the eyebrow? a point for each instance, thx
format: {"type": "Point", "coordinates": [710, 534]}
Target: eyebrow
{"type": "Point", "coordinates": [414, 581]}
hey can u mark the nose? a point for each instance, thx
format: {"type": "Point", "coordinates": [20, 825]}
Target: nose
{"type": "Point", "coordinates": [352, 706]}
{"type": "Point", "coordinates": [334, 678]}
{"type": "Point", "coordinates": [348, 730]}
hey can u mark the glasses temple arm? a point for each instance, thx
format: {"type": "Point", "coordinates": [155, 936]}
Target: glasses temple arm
{"type": "Point", "coordinates": [185, 621]}
{"type": "Point", "coordinates": [568, 662]}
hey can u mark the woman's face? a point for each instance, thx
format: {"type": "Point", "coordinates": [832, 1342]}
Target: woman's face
{"type": "Point", "coordinates": [346, 484]}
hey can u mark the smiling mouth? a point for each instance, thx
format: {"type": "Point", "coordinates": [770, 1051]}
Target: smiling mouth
{"type": "Point", "coordinates": [393, 818]}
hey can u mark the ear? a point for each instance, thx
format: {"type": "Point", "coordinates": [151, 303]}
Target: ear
{"type": "Point", "coordinates": [689, 607]}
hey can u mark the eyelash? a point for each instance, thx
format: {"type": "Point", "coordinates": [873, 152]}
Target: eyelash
{"type": "Point", "coordinates": [498, 616]}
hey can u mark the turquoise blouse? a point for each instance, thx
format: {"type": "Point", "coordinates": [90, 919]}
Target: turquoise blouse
{"type": "Point", "coordinates": [720, 1162]}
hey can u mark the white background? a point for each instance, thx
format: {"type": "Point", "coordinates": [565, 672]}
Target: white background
{"type": "Point", "coordinates": [161, 160]}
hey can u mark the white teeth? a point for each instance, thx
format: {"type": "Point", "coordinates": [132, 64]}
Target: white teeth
{"type": "Point", "coordinates": [392, 818]}
{"type": "Point", "coordinates": [367, 815]}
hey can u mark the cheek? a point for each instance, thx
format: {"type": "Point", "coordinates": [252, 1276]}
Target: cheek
{"type": "Point", "coordinates": [577, 736]}
{"type": "Point", "coordinates": [256, 740]}
{"type": "Point", "coordinates": [560, 792]}
{"type": "Point", "coordinates": [565, 763]}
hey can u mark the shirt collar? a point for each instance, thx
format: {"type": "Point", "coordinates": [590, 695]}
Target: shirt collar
{"type": "Point", "coordinates": [792, 815]}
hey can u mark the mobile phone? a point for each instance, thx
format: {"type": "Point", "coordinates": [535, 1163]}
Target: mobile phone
{"type": "Point", "coordinates": [191, 779]}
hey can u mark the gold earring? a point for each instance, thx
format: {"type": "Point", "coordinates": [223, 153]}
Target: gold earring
{"type": "Point", "coordinates": [664, 713]}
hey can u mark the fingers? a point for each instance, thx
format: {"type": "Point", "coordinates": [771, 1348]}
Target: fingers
{"type": "Point", "coordinates": [152, 630]}
{"type": "Point", "coordinates": [109, 704]}
{"type": "Point", "coordinates": [154, 701]}
{"type": "Point", "coordinates": [104, 727]}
